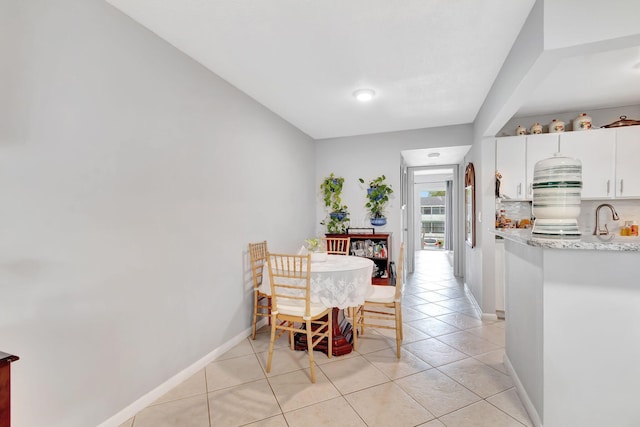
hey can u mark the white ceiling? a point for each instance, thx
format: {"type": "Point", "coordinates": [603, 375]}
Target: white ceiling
{"type": "Point", "coordinates": [435, 156]}
{"type": "Point", "coordinates": [431, 62]}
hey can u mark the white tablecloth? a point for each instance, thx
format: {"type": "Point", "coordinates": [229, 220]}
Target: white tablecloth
{"type": "Point", "coordinates": [341, 281]}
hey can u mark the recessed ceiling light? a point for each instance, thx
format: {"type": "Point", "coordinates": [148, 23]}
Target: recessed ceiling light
{"type": "Point", "coordinates": [433, 155]}
{"type": "Point", "coordinates": [364, 95]}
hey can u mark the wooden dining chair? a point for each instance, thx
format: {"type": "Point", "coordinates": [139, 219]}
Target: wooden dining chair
{"type": "Point", "coordinates": [382, 308]}
{"type": "Point", "coordinates": [290, 277]}
{"type": "Point", "coordinates": [337, 245]}
{"type": "Point", "coordinates": [261, 301]}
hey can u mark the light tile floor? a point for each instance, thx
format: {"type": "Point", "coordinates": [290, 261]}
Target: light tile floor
{"type": "Point", "coordinates": [450, 373]}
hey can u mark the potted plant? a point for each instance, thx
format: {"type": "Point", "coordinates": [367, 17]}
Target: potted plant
{"type": "Point", "coordinates": [377, 199]}
{"type": "Point", "coordinates": [318, 254]}
{"type": "Point", "coordinates": [313, 245]}
{"type": "Point", "coordinates": [338, 219]}
{"type": "Point", "coordinates": [335, 225]}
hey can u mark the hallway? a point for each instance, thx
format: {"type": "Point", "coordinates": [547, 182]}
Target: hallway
{"type": "Point", "coordinates": [450, 374]}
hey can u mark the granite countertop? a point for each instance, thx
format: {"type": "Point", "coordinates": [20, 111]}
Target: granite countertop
{"type": "Point", "coordinates": [585, 241]}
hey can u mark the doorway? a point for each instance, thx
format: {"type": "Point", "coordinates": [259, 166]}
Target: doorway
{"type": "Point", "coordinates": [433, 212]}
{"type": "Point", "coordinates": [438, 164]}
{"type": "Point", "coordinates": [432, 198]}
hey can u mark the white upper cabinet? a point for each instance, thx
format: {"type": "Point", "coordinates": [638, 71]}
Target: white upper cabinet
{"type": "Point", "coordinates": [516, 157]}
{"type": "Point", "coordinates": [610, 161]}
{"type": "Point", "coordinates": [627, 161]}
{"type": "Point", "coordinates": [539, 147]}
{"type": "Point", "coordinates": [596, 150]}
{"type": "Point", "coordinates": [510, 163]}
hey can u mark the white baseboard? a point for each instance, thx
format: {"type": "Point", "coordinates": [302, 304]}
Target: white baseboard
{"type": "Point", "coordinates": [178, 378]}
{"type": "Point", "coordinates": [489, 316]}
{"type": "Point", "coordinates": [524, 397]}
{"type": "Point", "coordinates": [476, 306]}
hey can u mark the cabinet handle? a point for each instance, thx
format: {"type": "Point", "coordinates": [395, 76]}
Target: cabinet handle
{"type": "Point", "coordinates": [621, 186]}
{"type": "Point", "coordinates": [519, 189]}
{"type": "Point", "coordinates": [608, 186]}
{"type": "Point", "coordinates": [530, 189]}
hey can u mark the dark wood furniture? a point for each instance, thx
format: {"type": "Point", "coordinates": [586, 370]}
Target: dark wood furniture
{"type": "Point", "coordinates": [341, 335]}
{"type": "Point", "coordinates": [376, 247]}
{"type": "Point", "coordinates": [5, 388]}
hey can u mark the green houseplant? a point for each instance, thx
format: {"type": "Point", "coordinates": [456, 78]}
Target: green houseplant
{"type": "Point", "coordinates": [318, 253]}
{"type": "Point", "coordinates": [377, 199]}
{"type": "Point", "coordinates": [338, 219]}
{"type": "Point", "coordinates": [313, 245]}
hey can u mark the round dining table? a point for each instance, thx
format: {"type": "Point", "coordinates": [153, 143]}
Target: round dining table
{"type": "Point", "coordinates": [340, 282]}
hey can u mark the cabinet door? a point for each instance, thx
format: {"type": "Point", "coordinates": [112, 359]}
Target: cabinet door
{"type": "Point", "coordinates": [596, 150]}
{"type": "Point", "coordinates": [510, 162]}
{"type": "Point", "coordinates": [539, 147]}
{"type": "Point", "coordinates": [627, 157]}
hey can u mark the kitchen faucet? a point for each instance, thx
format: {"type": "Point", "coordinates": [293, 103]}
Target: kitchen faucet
{"type": "Point", "coordinates": [598, 231]}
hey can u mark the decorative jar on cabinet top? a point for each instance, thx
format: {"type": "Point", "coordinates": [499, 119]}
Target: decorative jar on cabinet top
{"type": "Point", "coordinates": [521, 131]}
{"type": "Point", "coordinates": [557, 184]}
{"type": "Point", "coordinates": [582, 122]}
{"type": "Point", "coordinates": [536, 129]}
{"type": "Point", "coordinates": [556, 126]}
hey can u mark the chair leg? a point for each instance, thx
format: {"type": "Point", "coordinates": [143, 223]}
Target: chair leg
{"type": "Point", "coordinates": [399, 336]}
{"type": "Point", "coordinates": [330, 335]}
{"type": "Point", "coordinates": [255, 314]}
{"type": "Point", "coordinates": [354, 326]}
{"type": "Point", "coordinates": [273, 339]}
{"type": "Point", "coordinates": [310, 350]}
{"type": "Point", "coordinates": [291, 337]}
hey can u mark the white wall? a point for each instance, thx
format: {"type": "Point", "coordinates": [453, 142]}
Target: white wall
{"type": "Point", "coordinates": [131, 180]}
{"type": "Point", "coordinates": [368, 156]}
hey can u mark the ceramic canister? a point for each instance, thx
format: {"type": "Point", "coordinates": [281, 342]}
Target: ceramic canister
{"type": "Point", "coordinates": [582, 122]}
{"type": "Point", "coordinates": [557, 186]}
{"type": "Point", "coordinates": [536, 129]}
{"type": "Point", "coordinates": [521, 131]}
{"type": "Point", "coordinates": [556, 126]}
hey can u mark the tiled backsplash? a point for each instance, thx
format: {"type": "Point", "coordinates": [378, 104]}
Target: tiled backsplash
{"type": "Point", "coordinates": [628, 210]}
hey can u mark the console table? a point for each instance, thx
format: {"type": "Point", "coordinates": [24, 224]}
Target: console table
{"type": "Point", "coordinates": [5, 388]}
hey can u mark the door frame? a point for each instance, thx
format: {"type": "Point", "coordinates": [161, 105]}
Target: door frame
{"type": "Point", "coordinates": [409, 213]}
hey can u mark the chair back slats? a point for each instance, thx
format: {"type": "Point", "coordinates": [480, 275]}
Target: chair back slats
{"type": "Point", "coordinates": [290, 277]}
{"type": "Point", "coordinates": [258, 257]}
{"type": "Point", "coordinates": [379, 312]}
{"type": "Point", "coordinates": [290, 280]}
{"type": "Point", "coordinates": [337, 245]}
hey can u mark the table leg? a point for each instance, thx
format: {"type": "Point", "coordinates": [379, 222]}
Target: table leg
{"type": "Point", "coordinates": [341, 337]}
